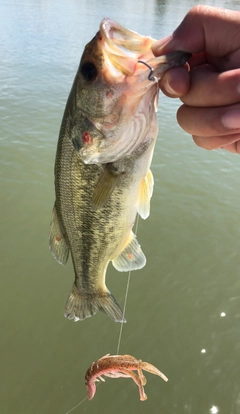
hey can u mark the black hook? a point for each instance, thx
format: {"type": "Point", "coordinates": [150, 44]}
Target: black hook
{"type": "Point", "coordinates": [150, 77]}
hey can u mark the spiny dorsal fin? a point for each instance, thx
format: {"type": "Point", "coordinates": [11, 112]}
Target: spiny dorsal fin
{"type": "Point", "coordinates": [145, 194]}
{"type": "Point", "coordinates": [131, 257]}
{"type": "Point", "coordinates": [57, 242]}
{"type": "Point", "coordinates": [106, 184]}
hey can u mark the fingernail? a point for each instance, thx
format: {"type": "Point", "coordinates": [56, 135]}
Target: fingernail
{"type": "Point", "coordinates": [169, 90]}
{"type": "Point", "coordinates": [231, 119]}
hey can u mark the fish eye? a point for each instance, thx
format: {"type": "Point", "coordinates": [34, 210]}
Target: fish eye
{"type": "Point", "coordinates": [89, 71]}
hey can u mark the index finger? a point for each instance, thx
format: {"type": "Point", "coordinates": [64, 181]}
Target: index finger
{"type": "Point", "coordinates": [214, 31]}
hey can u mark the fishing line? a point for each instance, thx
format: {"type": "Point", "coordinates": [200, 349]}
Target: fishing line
{"type": "Point", "coordinates": [77, 405]}
{"type": "Point", "coordinates": [72, 409]}
{"type": "Point", "coordinates": [126, 296]}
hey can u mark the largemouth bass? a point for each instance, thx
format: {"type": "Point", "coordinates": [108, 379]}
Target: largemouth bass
{"type": "Point", "coordinates": [102, 175]}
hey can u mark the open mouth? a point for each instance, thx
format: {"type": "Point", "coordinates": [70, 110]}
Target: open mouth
{"type": "Point", "coordinates": [123, 47]}
{"type": "Point", "coordinates": [126, 51]}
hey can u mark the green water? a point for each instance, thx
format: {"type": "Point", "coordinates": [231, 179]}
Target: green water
{"type": "Point", "coordinates": [183, 308]}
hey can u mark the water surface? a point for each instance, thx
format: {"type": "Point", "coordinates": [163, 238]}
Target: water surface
{"type": "Point", "coordinates": [183, 308]}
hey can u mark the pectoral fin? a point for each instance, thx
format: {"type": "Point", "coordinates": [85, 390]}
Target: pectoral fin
{"type": "Point", "coordinates": [131, 257]}
{"type": "Point", "coordinates": [106, 183]}
{"type": "Point", "coordinates": [57, 242]}
{"type": "Point", "coordinates": [145, 194]}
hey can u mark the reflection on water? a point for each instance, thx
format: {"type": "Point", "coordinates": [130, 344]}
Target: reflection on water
{"type": "Point", "coordinates": [183, 308]}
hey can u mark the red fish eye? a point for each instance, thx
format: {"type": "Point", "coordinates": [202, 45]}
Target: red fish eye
{"type": "Point", "coordinates": [86, 138]}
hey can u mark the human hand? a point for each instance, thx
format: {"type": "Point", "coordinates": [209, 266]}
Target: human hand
{"type": "Point", "coordinates": [210, 90]}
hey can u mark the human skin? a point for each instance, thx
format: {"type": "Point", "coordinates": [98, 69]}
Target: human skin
{"type": "Point", "coordinates": [209, 86]}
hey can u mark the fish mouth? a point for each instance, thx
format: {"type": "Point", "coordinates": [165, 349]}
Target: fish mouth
{"type": "Point", "coordinates": [126, 51]}
{"type": "Point", "coordinates": [124, 47]}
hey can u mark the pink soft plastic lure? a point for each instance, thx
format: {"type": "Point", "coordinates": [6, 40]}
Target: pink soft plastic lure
{"type": "Point", "coordinates": [115, 366]}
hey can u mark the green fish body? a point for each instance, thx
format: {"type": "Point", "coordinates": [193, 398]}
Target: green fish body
{"type": "Point", "coordinates": [102, 175]}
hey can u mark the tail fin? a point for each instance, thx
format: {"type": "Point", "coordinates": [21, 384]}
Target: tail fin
{"type": "Point", "coordinates": [83, 305]}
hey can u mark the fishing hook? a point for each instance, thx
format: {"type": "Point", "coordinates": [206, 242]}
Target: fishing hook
{"type": "Point", "coordinates": [150, 77]}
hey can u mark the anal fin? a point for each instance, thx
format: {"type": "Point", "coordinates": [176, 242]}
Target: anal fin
{"type": "Point", "coordinates": [131, 257]}
{"type": "Point", "coordinates": [57, 242]}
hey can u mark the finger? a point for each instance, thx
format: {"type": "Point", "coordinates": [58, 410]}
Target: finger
{"type": "Point", "coordinates": [229, 142]}
{"type": "Point", "coordinates": [207, 122]}
{"type": "Point", "coordinates": [204, 28]}
{"type": "Point", "coordinates": [210, 88]}
{"type": "Point", "coordinates": [175, 82]}
{"type": "Point", "coordinates": [234, 147]}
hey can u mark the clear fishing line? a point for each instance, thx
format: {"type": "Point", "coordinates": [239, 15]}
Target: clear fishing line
{"type": "Point", "coordinates": [77, 405]}
{"type": "Point", "coordinates": [126, 296]}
